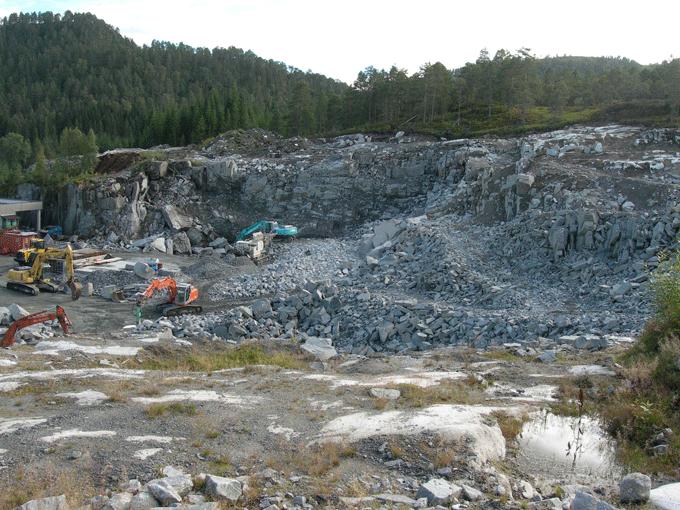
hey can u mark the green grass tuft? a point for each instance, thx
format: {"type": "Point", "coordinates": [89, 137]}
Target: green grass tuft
{"type": "Point", "coordinates": [175, 408]}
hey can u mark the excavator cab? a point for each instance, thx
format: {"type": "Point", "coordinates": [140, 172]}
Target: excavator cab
{"type": "Point", "coordinates": [26, 256]}
{"type": "Point", "coordinates": [38, 244]}
{"type": "Point", "coordinates": [186, 294]}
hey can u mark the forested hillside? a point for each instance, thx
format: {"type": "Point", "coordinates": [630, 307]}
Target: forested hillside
{"type": "Point", "coordinates": [69, 72]}
{"type": "Point", "coordinates": [76, 71]}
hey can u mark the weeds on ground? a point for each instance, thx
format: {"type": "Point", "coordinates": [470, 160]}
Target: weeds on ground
{"type": "Point", "coordinates": [648, 399]}
{"type": "Point", "coordinates": [150, 390]}
{"type": "Point", "coordinates": [315, 460]}
{"type": "Point", "coordinates": [437, 450]}
{"type": "Point", "coordinates": [503, 356]}
{"type": "Point", "coordinates": [205, 426]}
{"type": "Point", "coordinates": [35, 388]}
{"type": "Point", "coordinates": [175, 408]}
{"type": "Point", "coordinates": [220, 464]}
{"type": "Point", "coordinates": [443, 457]}
{"type": "Point", "coordinates": [44, 482]}
{"type": "Point", "coordinates": [356, 489]}
{"type": "Point", "coordinates": [396, 451]}
{"type": "Point", "coordinates": [577, 396]}
{"type": "Point", "coordinates": [380, 403]}
{"type": "Point", "coordinates": [446, 392]}
{"type": "Point", "coordinates": [510, 425]}
{"type": "Point", "coordinates": [196, 360]}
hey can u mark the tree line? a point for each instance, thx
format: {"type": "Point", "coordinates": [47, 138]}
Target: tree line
{"type": "Point", "coordinates": [72, 75]}
{"type": "Point", "coordinates": [74, 158]}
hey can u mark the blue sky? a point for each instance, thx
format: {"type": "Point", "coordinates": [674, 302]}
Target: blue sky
{"type": "Point", "coordinates": [340, 38]}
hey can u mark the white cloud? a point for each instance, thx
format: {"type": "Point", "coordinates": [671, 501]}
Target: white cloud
{"type": "Point", "coordinates": [340, 38]}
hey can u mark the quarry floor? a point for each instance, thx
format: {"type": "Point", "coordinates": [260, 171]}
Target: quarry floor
{"type": "Point", "coordinates": [92, 414]}
{"type": "Point", "coordinates": [94, 315]}
{"type": "Point", "coordinates": [87, 405]}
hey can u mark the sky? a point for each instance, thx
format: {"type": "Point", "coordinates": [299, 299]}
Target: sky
{"type": "Point", "coordinates": [341, 38]}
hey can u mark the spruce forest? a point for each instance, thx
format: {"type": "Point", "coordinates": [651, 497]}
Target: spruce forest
{"type": "Point", "coordinates": [70, 82]}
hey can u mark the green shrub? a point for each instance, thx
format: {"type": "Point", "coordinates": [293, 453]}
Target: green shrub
{"type": "Point", "coordinates": [665, 284]}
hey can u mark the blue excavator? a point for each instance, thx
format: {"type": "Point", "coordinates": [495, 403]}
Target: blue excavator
{"type": "Point", "coordinates": [268, 227]}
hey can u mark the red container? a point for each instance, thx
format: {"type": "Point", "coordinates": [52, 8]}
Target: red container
{"type": "Point", "coordinates": [11, 241]}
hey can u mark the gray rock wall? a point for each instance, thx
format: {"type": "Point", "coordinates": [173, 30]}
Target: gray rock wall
{"type": "Point", "coordinates": [328, 190]}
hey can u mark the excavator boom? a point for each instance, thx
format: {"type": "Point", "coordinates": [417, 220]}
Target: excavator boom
{"type": "Point", "coordinates": [267, 227]}
{"type": "Point", "coordinates": [36, 318]}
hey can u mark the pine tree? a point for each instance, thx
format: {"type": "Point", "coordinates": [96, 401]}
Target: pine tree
{"type": "Point", "coordinates": [39, 175]}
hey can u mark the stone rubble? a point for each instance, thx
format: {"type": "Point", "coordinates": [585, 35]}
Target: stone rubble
{"type": "Point", "coordinates": [207, 492]}
{"type": "Point", "coordinates": [486, 242]}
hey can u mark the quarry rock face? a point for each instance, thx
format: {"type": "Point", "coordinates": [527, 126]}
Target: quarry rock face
{"type": "Point", "coordinates": [327, 190]}
{"type": "Point", "coordinates": [476, 227]}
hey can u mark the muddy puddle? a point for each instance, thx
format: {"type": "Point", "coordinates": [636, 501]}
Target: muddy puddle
{"type": "Point", "coordinates": [567, 447]}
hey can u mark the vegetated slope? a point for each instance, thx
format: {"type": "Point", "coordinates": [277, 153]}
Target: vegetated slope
{"type": "Point", "coordinates": [75, 70]}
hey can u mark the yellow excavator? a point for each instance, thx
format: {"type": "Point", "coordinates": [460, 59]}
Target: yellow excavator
{"type": "Point", "coordinates": [26, 256]}
{"type": "Point", "coordinates": [32, 279]}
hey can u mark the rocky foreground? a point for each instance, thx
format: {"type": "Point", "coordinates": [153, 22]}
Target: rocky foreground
{"type": "Point", "coordinates": [446, 299]}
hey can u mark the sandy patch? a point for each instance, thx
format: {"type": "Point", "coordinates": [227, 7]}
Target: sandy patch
{"type": "Point", "coordinates": [590, 370]}
{"type": "Point", "coordinates": [153, 439]}
{"type": "Point", "coordinates": [75, 373]}
{"type": "Point", "coordinates": [9, 385]}
{"type": "Point", "coordinates": [453, 422]}
{"type": "Point", "coordinates": [282, 431]}
{"type": "Point", "coordinates": [12, 425]}
{"type": "Point", "coordinates": [77, 433]}
{"type": "Point", "coordinates": [55, 348]}
{"type": "Point", "coordinates": [197, 396]}
{"type": "Point", "coordinates": [146, 453]}
{"type": "Point", "coordinates": [86, 398]}
{"type": "Point", "coordinates": [422, 379]}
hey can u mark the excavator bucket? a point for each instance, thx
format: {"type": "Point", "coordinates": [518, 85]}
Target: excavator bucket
{"type": "Point", "coordinates": [117, 296]}
{"type": "Point", "coordinates": [76, 289]}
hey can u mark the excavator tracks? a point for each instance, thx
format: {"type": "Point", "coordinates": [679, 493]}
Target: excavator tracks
{"type": "Point", "coordinates": [175, 311]}
{"type": "Point", "coordinates": [25, 288]}
{"type": "Point", "coordinates": [48, 287]}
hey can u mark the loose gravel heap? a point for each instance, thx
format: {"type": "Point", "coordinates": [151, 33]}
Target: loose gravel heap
{"type": "Point", "coordinates": [292, 264]}
{"type": "Point", "coordinates": [432, 283]}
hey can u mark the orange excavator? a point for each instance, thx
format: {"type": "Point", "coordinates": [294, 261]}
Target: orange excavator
{"type": "Point", "coordinates": [37, 318]}
{"type": "Point", "coordinates": [178, 297]}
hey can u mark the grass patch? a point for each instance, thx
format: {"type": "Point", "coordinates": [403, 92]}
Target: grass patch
{"type": "Point", "coordinates": [116, 397]}
{"type": "Point", "coordinates": [205, 426]}
{"type": "Point", "coordinates": [196, 360]}
{"type": "Point", "coordinates": [502, 356]}
{"type": "Point", "coordinates": [44, 482]}
{"type": "Point", "coordinates": [174, 408]}
{"type": "Point", "coordinates": [37, 388]}
{"type": "Point", "coordinates": [396, 451]}
{"type": "Point", "coordinates": [647, 401]}
{"type": "Point", "coordinates": [220, 465]}
{"type": "Point", "coordinates": [510, 425]}
{"type": "Point", "coordinates": [380, 403]}
{"type": "Point", "coordinates": [576, 396]}
{"type": "Point", "coordinates": [444, 457]}
{"type": "Point", "coordinates": [313, 460]}
{"type": "Point", "coordinates": [448, 391]}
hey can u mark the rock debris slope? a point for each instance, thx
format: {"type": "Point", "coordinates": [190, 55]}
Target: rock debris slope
{"type": "Point", "coordinates": [547, 238]}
